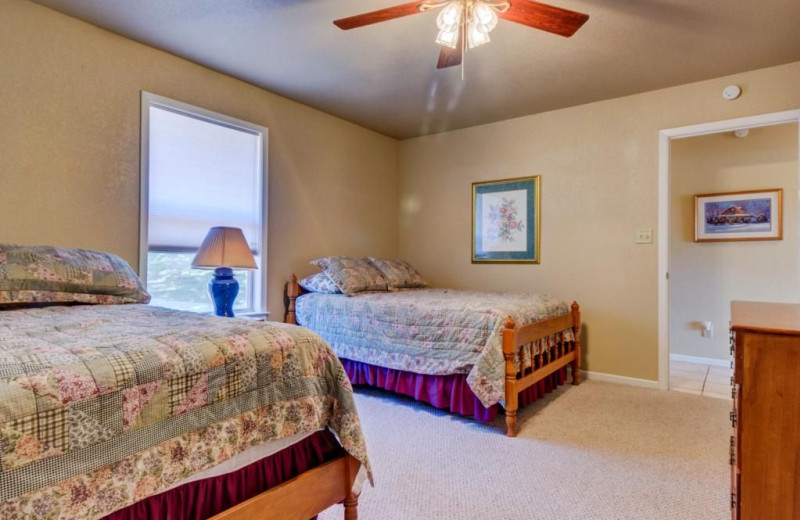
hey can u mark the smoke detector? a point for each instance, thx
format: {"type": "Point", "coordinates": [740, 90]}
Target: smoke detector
{"type": "Point", "coordinates": [731, 92]}
{"type": "Point", "coordinates": [742, 132]}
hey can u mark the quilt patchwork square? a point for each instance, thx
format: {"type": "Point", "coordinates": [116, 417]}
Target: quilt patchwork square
{"type": "Point", "coordinates": [52, 426]}
{"type": "Point", "coordinates": [187, 392]}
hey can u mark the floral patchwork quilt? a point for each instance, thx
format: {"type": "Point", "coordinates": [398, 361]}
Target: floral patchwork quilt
{"type": "Point", "coordinates": [429, 331]}
{"type": "Point", "coordinates": [103, 405]}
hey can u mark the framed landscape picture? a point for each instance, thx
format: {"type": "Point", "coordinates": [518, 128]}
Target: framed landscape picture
{"type": "Point", "coordinates": [739, 215]}
{"type": "Point", "coordinates": [505, 221]}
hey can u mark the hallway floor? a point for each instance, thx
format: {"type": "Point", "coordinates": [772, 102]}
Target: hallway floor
{"type": "Point", "coordinates": [706, 380]}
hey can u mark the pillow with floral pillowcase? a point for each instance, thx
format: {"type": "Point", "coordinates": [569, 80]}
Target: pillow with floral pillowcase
{"type": "Point", "coordinates": [320, 283]}
{"type": "Point", "coordinates": [399, 274]}
{"type": "Point", "coordinates": [352, 275]}
{"type": "Point", "coordinates": [44, 274]}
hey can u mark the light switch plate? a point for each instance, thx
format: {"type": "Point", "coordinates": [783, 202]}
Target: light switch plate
{"type": "Point", "coordinates": [644, 236]}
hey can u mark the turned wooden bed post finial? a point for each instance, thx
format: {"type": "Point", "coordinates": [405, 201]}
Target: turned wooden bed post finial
{"type": "Point", "coordinates": [292, 292]}
{"type": "Point", "coordinates": [510, 353]}
{"type": "Point", "coordinates": [576, 331]}
{"type": "Point", "coordinates": [510, 323]}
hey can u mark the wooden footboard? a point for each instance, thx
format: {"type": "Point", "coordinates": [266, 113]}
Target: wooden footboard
{"type": "Point", "coordinates": [304, 496]}
{"type": "Point", "coordinates": [518, 342]}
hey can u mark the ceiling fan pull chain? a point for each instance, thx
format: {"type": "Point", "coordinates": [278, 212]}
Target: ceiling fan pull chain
{"type": "Point", "coordinates": [464, 40]}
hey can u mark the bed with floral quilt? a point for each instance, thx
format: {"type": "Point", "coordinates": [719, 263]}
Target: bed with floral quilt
{"type": "Point", "coordinates": [465, 351]}
{"type": "Point", "coordinates": [132, 411]}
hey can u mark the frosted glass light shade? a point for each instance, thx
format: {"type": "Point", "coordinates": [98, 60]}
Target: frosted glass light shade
{"type": "Point", "coordinates": [448, 38]}
{"type": "Point", "coordinates": [224, 247]}
{"type": "Point", "coordinates": [477, 35]}
{"type": "Point", "coordinates": [484, 15]}
{"type": "Point", "coordinates": [450, 17]}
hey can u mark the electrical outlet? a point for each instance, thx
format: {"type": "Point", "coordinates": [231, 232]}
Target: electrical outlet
{"type": "Point", "coordinates": [644, 236]}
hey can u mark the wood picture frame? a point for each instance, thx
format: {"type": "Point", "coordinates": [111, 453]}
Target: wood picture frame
{"type": "Point", "coordinates": [739, 216]}
{"type": "Point", "coordinates": [506, 217]}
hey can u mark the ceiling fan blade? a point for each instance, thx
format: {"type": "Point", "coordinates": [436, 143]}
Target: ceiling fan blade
{"type": "Point", "coordinates": [449, 57]}
{"type": "Point", "coordinates": [380, 15]}
{"type": "Point", "coordinates": [545, 17]}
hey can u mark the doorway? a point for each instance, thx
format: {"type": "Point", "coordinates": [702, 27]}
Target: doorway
{"type": "Point", "coordinates": [698, 280]}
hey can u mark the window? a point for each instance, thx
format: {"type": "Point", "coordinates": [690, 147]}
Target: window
{"type": "Point", "coordinates": [199, 170]}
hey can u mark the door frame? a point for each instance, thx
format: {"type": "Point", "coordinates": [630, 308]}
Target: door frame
{"type": "Point", "coordinates": [664, 139]}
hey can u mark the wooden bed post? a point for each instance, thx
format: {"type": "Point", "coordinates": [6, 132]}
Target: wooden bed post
{"type": "Point", "coordinates": [351, 499]}
{"type": "Point", "coordinates": [576, 331]}
{"type": "Point", "coordinates": [510, 353]}
{"type": "Point", "coordinates": [292, 292]}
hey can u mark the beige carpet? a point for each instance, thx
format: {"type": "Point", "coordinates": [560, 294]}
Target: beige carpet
{"type": "Point", "coordinates": [596, 451]}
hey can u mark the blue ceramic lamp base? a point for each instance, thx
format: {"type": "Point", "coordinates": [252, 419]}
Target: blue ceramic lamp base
{"type": "Point", "coordinates": [223, 289]}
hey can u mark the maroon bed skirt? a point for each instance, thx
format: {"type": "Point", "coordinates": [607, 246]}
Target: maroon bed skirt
{"type": "Point", "coordinates": [205, 498]}
{"type": "Point", "coordinates": [448, 392]}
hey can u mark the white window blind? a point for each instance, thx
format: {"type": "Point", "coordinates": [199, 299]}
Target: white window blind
{"type": "Point", "coordinates": [202, 174]}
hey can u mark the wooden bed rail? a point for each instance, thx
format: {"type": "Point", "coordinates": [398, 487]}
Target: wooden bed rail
{"type": "Point", "coordinates": [304, 496]}
{"type": "Point", "coordinates": [518, 340]}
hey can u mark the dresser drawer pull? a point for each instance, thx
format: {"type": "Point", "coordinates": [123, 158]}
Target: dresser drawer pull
{"type": "Point", "coordinates": [732, 381]}
{"type": "Point", "coordinates": [733, 418]}
{"type": "Point", "coordinates": [732, 451]}
{"type": "Point", "coordinates": [733, 500]}
{"type": "Point", "coordinates": [733, 392]}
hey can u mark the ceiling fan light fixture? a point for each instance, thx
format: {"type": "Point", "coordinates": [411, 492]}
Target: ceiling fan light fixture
{"type": "Point", "coordinates": [485, 15]}
{"type": "Point", "coordinates": [450, 17]}
{"type": "Point", "coordinates": [465, 24]}
{"type": "Point", "coordinates": [448, 38]}
{"type": "Point", "coordinates": [477, 35]}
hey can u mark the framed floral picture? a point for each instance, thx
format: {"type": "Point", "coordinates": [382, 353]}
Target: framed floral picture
{"type": "Point", "coordinates": [739, 215]}
{"type": "Point", "coordinates": [505, 221]}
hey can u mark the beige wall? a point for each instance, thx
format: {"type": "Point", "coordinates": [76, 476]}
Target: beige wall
{"type": "Point", "coordinates": [69, 145]}
{"type": "Point", "coordinates": [705, 277]}
{"type": "Point", "coordinates": [599, 168]}
{"type": "Point", "coordinates": [69, 148]}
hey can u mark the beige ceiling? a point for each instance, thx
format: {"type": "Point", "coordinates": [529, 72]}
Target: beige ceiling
{"type": "Point", "coordinates": [383, 76]}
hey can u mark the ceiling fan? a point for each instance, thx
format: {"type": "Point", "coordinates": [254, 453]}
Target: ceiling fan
{"type": "Point", "coordinates": [467, 23]}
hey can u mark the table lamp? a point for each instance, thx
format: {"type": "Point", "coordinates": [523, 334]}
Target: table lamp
{"type": "Point", "coordinates": [223, 249]}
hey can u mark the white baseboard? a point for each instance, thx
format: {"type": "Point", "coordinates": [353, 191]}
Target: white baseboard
{"type": "Point", "coordinates": [622, 380]}
{"type": "Point", "coordinates": [701, 360]}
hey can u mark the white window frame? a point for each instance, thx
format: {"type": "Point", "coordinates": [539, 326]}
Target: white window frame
{"type": "Point", "coordinates": [149, 99]}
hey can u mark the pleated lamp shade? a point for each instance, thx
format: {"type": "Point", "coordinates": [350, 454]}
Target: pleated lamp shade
{"type": "Point", "coordinates": [224, 247]}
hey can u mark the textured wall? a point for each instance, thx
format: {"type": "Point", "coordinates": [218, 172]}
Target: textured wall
{"type": "Point", "coordinates": [69, 170]}
{"type": "Point", "coordinates": [599, 168]}
{"type": "Point", "coordinates": [69, 148]}
{"type": "Point", "coordinates": [705, 277]}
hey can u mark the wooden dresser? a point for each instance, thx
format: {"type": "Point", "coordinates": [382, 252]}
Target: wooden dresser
{"type": "Point", "coordinates": [765, 446]}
